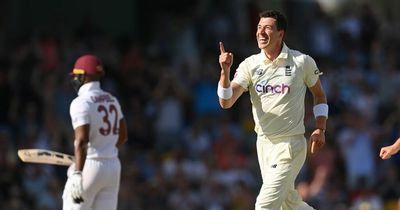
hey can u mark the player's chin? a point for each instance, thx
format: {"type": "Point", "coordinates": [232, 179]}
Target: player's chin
{"type": "Point", "coordinates": [261, 45]}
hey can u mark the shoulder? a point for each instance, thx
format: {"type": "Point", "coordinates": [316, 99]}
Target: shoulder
{"type": "Point", "coordinates": [251, 61]}
{"type": "Point", "coordinates": [297, 54]}
{"type": "Point", "coordinates": [254, 58]}
{"type": "Point", "coordinates": [300, 57]}
{"type": "Point", "coordinates": [79, 103]}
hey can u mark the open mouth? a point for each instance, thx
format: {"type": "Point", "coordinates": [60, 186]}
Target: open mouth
{"type": "Point", "coordinates": [262, 40]}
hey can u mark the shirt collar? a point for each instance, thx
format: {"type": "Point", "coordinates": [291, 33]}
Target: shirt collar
{"type": "Point", "coordinates": [283, 55]}
{"type": "Point", "coordinates": [89, 86]}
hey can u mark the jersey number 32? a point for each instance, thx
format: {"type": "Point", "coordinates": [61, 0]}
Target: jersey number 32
{"type": "Point", "coordinates": [110, 120]}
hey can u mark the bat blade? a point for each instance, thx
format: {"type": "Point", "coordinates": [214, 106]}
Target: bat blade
{"type": "Point", "coordinates": [45, 156]}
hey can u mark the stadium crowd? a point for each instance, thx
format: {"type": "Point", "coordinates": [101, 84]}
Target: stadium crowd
{"type": "Point", "coordinates": [185, 152]}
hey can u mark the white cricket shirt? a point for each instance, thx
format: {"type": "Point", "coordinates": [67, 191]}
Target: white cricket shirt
{"type": "Point", "coordinates": [277, 90]}
{"type": "Point", "coordinates": [102, 112]}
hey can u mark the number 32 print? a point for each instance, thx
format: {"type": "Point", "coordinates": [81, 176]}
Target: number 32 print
{"type": "Point", "coordinates": [110, 120]}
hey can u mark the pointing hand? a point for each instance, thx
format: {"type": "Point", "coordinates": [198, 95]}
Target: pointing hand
{"type": "Point", "coordinates": [225, 58]}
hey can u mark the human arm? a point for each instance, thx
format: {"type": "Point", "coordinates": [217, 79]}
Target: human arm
{"type": "Point", "coordinates": [226, 61]}
{"type": "Point", "coordinates": [123, 133]}
{"type": "Point", "coordinates": [388, 151]}
{"type": "Point", "coordinates": [317, 137]}
{"type": "Point", "coordinates": [80, 146]}
{"type": "Point", "coordinates": [79, 110]}
{"type": "Point", "coordinates": [80, 150]}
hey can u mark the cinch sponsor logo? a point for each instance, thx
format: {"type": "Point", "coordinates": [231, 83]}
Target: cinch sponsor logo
{"type": "Point", "coordinates": [280, 89]}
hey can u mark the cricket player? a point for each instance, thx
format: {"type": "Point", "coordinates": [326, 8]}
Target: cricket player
{"type": "Point", "coordinates": [388, 151]}
{"type": "Point", "coordinates": [99, 127]}
{"type": "Point", "coordinates": [277, 79]}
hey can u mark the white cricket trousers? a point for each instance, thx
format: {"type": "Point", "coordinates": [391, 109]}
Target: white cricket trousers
{"type": "Point", "coordinates": [280, 162]}
{"type": "Point", "coordinates": [101, 180]}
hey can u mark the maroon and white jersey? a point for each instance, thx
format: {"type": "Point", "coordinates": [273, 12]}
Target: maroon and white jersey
{"type": "Point", "coordinates": [102, 112]}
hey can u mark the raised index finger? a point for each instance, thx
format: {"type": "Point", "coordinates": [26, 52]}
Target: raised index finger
{"type": "Point", "coordinates": [312, 147]}
{"type": "Point", "coordinates": [221, 47]}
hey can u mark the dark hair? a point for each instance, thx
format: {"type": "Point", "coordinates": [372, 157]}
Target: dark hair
{"type": "Point", "coordinates": [281, 22]}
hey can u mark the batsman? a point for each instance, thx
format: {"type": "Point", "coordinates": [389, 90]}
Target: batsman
{"type": "Point", "coordinates": [99, 128]}
{"type": "Point", "coordinates": [277, 79]}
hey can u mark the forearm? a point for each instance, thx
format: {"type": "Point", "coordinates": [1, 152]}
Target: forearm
{"type": "Point", "coordinates": [80, 154]}
{"type": "Point", "coordinates": [237, 91]}
{"type": "Point", "coordinates": [320, 121]}
{"type": "Point", "coordinates": [224, 83]}
{"type": "Point", "coordinates": [122, 134]}
{"type": "Point", "coordinates": [396, 145]}
{"type": "Point", "coordinates": [224, 79]}
{"type": "Point", "coordinates": [120, 142]}
{"type": "Point", "coordinates": [320, 99]}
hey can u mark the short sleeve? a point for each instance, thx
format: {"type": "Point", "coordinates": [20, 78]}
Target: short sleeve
{"type": "Point", "coordinates": [242, 76]}
{"type": "Point", "coordinates": [311, 71]}
{"type": "Point", "coordinates": [80, 112]}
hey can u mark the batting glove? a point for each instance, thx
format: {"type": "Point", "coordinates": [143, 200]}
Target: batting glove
{"type": "Point", "coordinates": [76, 187]}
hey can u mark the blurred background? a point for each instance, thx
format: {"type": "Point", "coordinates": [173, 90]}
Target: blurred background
{"type": "Point", "coordinates": [161, 61]}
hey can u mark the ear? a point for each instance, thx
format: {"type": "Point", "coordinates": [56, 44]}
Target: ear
{"type": "Point", "coordinates": [281, 34]}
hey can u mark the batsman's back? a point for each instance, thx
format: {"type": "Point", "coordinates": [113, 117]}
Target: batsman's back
{"type": "Point", "coordinates": [102, 112]}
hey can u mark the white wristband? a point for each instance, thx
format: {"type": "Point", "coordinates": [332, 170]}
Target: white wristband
{"type": "Point", "coordinates": [321, 110]}
{"type": "Point", "coordinates": [224, 93]}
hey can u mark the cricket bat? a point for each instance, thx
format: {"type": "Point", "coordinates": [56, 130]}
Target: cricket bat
{"type": "Point", "coordinates": [45, 156]}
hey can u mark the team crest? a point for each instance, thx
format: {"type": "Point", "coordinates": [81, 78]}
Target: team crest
{"type": "Point", "coordinates": [259, 72]}
{"type": "Point", "coordinates": [288, 71]}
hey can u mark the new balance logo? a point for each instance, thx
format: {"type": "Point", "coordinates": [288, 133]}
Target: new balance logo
{"type": "Point", "coordinates": [259, 72]}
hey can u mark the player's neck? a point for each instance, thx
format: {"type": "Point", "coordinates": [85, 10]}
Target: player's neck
{"type": "Point", "coordinates": [273, 52]}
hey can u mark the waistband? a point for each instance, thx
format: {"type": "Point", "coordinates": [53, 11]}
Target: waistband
{"type": "Point", "coordinates": [263, 137]}
{"type": "Point", "coordinates": [102, 158]}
